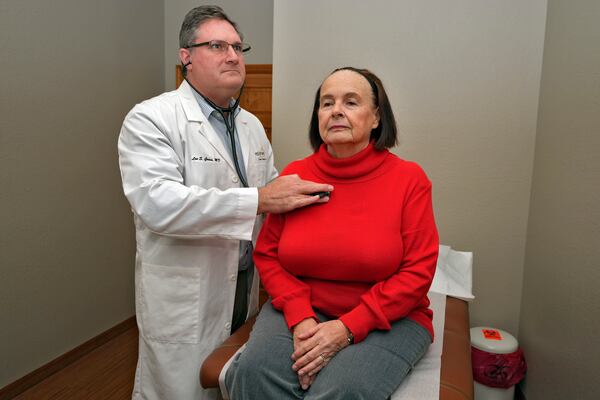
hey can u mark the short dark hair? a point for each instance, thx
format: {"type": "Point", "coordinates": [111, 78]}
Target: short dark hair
{"type": "Point", "coordinates": [386, 133]}
{"type": "Point", "coordinates": [194, 19]}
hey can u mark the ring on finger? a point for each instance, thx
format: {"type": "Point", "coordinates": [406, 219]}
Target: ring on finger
{"type": "Point", "coordinates": [323, 359]}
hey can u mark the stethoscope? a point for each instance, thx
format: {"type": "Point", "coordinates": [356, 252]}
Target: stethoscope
{"type": "Point", "coordinates": [228, 115]}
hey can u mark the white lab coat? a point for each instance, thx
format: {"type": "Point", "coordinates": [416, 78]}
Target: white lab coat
{"type": "Point", "coordinates": [189, 214]}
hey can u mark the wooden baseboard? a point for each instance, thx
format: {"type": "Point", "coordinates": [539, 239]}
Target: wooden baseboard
{"type": "Point", "coordinates": [33, 378]}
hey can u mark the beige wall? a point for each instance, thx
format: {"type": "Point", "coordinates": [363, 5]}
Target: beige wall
{"type": "Point", "coordinates": [70, 72]}
{"type": "Point", "coordinates": [560, 313]}
{"type": "Point", "coordinates": [255, 20]}
{"type": "Point", "coordinates": [464, 82]}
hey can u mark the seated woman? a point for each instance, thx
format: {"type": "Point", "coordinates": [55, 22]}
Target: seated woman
{"type": "Point", "coordinates": [348, 279]}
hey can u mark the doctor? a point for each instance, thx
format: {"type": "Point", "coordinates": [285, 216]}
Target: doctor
{"type": "Point", "coordinates": [197, 170]}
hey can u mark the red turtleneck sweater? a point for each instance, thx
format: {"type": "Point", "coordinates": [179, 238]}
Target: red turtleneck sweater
{"type": "Point", "coordinates": [366, 257]}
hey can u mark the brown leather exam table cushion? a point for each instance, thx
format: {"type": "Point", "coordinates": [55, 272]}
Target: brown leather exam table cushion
{"type": "Point", "coordinates": [456, 381]}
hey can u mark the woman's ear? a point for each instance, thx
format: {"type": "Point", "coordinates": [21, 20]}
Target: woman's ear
{"type": "Point", "coordinates": [376, 122]}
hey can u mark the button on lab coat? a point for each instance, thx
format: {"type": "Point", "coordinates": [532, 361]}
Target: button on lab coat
{"type": "Point", "coordinates": [190, 214]}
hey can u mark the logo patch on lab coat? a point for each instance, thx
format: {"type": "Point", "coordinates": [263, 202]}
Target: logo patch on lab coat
{"type": "Point", "coordinates": [260, 154]}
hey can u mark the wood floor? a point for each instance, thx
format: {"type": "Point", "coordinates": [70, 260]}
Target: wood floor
{"type": "Point", "coordinates": [105, 373]}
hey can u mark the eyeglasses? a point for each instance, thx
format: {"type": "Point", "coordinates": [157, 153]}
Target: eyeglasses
{"type": "Point", "coordinates": [222, 47]}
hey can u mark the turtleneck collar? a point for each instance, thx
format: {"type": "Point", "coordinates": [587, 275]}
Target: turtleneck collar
{"type": "Point", "coordinates": [363, 165]}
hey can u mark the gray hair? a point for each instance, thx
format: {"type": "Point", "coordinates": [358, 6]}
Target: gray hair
{"type": "Point", "coordinates": [196, 17]}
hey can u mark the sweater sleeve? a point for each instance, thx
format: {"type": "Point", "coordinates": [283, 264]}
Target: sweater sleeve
{"type": "Point", "coordinates": [394, 298]}
{"type": "Point", "coordinates": [289, 294]}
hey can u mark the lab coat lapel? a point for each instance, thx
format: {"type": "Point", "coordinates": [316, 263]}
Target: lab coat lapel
{"type": "Point", "coordinates": [194, 113]}
{"type": "Point", "coordinates": [243, 133]}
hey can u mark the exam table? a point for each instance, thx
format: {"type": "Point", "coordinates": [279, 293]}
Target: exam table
{"type": "Point", "coordinates": [456, 379]}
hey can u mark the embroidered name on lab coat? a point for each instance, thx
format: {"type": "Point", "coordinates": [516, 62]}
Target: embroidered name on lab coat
{"type": "Point", "coordinates": [206, 159]}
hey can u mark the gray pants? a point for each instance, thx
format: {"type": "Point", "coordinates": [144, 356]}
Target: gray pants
{"type": "Point", "coordinates": [371, 369]}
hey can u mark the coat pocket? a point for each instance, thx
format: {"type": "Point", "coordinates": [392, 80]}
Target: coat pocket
{"type": "Point", "coordinates": [257, 173]}
{"type": "Point", "coordinates": [169, 303]}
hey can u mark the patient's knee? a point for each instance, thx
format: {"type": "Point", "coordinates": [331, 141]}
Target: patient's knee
{"type": "Point", "coordinates": [239, 374]}
{"type": "Point", "coordinates": [257, 374]}
{"type": "Point", "coordinates": [347, 387]}
{"type": "Point", "coordinates": [242, 367]}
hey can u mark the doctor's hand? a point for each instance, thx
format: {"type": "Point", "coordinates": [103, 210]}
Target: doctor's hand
{"type": "Point", "coordinates": [289, 192]}
{"type": "Point", "coordinates": [318, 345]}
{"type": "Point", "coordinates": [300, 328]}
